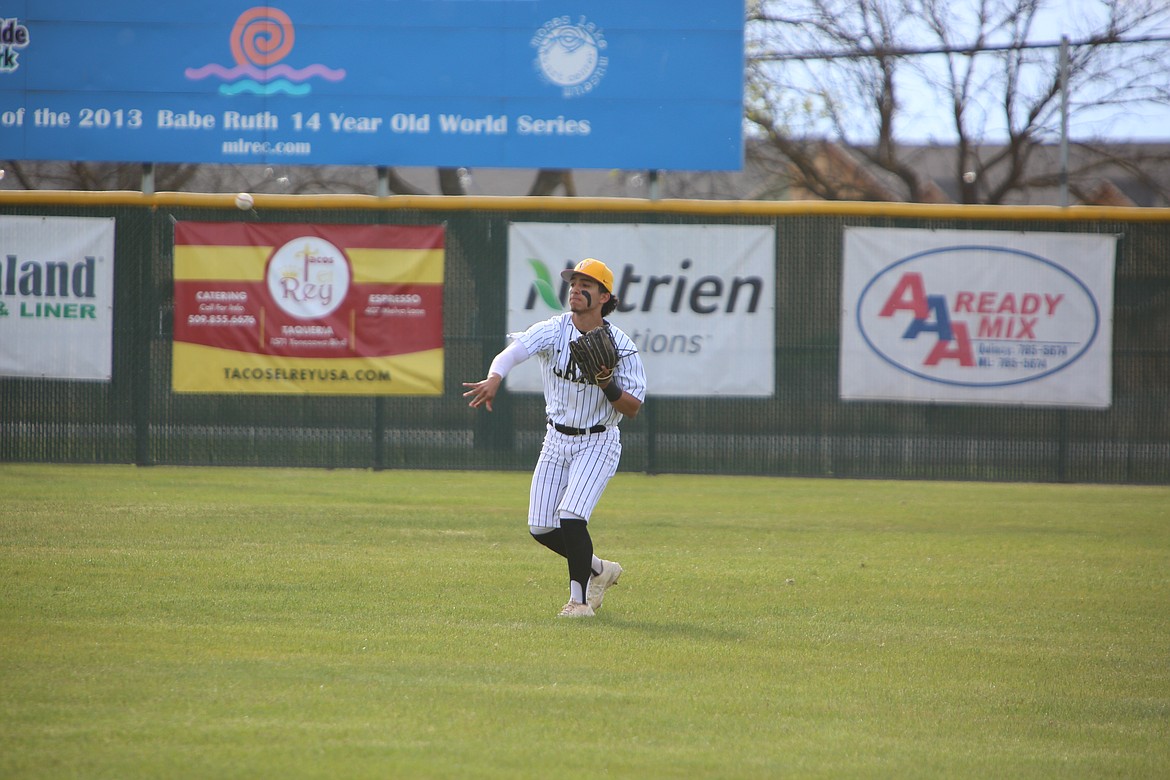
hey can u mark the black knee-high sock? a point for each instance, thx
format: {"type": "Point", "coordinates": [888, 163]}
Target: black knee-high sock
{"type": "Point", "coordinates": [578, 550]}
{"type": "Point", "coordinates": [553, 540]}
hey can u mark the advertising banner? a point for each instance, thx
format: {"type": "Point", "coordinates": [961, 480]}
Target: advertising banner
{"type": "Point", "coordinates": [475, 83]}
{"type": "Point", "coordinates": [300, 309]}
{"type": "Point", "coordinates": [57, 297]}
{"type": "Point", "coordinates": [977, 317]}
{"type": "Point", "coordinates": [698, 300]}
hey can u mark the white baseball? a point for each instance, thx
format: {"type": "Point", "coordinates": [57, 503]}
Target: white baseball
{"type": "Point", "coordinates": [244, 201]}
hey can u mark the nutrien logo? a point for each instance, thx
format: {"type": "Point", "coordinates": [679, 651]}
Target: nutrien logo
{"type": "Point", "coordinates": [262, 37]}
{"type": "Point", "coordinates": [544, 285]}
{"type": "Point", "coordinates": [940, 315]}
{"type": "Point", "coordinates": [308, 277]}
{"type": "Point", "coordinates": [570, 55]}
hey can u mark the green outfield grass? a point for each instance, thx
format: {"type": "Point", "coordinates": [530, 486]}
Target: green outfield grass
{"type": "Point", "coordinates": [272, 623]}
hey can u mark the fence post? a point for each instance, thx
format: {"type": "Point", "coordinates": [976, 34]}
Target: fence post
{"type": "Point", "coordinates": [383, 187]}
{"type": "Point", "coordinates": [142, 381]}
{"type": "Point", "coordinates": [148, 178]}
{"type": "Point", "coordinates": [379, 427]}
{"type": "Point", "coordinates": [651, 441]}
{"type": "Point", "coordinates": [1062, 453]}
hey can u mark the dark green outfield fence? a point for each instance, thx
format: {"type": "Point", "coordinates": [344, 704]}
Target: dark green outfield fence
{"type": "Point", "coordinates": [803, 430]}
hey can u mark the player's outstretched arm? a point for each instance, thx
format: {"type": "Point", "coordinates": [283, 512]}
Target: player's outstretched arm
{"type": "Point", "coordinates": [482, 393]}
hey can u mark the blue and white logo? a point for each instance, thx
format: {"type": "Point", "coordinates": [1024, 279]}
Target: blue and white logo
{"type": "Point", "coordinates": [571, 56]}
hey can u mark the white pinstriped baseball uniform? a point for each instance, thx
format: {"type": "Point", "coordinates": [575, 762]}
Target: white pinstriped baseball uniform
{"type": "Point", "coordinates": [573, 470]}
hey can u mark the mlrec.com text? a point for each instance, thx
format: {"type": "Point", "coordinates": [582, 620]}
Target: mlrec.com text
{"type": "Point", "coordinates": [283, 148]}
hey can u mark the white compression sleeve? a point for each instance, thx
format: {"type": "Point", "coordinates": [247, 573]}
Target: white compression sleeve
{"type": "Point", "coordinates": [512, 355]}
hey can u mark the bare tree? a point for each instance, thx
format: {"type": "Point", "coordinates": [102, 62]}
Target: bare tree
{"type": "Point", "coordinates": [307, 179]}
{"type": "Point", "coordinates": [832, 79]}
{"type": "Point", "coordinates": [548, 179]}
{"type": "Point", "coordinates": [451, 182]}
{"type": "Point", "coordinates": [72, 175]}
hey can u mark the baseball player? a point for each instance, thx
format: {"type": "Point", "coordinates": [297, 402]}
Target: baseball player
{"type": "Point", "coordinates": [582, 445]}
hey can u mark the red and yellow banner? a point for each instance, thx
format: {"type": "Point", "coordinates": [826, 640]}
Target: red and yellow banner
{"type": "Point", "coordinates": [299, 309]}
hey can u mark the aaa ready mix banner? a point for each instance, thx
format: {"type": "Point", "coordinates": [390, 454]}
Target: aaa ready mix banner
{"type": "Point", "coordinates": [697, 300]}
{"type": "Point", "coordinates": [977, 317]}
{"type": "Point", "coordinates": [300, 309]}
{"type": "Point", "coordinates": [56, 297]}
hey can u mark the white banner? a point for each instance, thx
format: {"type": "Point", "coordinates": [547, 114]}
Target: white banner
{"type": "Point", "coordinates": [977, 317]}
{"type": "Point", "coordinates": [56, 297]}
{"type": "Point", "coordinates": [698, 300]}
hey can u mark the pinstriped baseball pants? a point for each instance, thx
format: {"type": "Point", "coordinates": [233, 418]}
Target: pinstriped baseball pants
{"type": "Point", "coordinates": [571, 474]}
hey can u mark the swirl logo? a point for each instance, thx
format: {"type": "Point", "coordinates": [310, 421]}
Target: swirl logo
{"type": "Point", "coordinates": [571, 56]}
{"type": "Point", "coordinates": [260, 39]}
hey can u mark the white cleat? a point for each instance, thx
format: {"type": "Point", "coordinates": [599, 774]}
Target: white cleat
{"type": "Point", "coordinates": [598, 584]}
{"type": "Point", "coordinates": [575, 609]}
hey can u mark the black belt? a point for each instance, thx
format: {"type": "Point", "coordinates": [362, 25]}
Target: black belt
{"type": "Point", "coordinates": [575, 431]}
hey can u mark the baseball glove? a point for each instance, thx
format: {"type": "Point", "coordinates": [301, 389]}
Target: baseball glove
{"type": "Point", "coordinates": [595, 354]}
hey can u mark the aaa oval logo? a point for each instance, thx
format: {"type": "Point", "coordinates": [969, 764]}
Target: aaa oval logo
{"type": "Point", "coordinates": [977, 316]}
{"type": "Point", "coordinates": [308, 277]}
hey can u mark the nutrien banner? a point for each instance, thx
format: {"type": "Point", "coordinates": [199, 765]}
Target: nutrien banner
{"type": "Point", "coordinates": [699, 301]}
{"type": "Point", "coordinates": [308, 309]}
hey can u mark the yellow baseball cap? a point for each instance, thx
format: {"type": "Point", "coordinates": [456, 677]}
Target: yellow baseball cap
{"type": "Point", "coordinates": [594, 269]}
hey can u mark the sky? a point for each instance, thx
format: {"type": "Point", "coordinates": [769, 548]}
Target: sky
{"type": "Point", "coordinates": [925, 115]}
{"type": "Point", "coordinates": [1148, 124]}
{"type": "Point", "coordinates": [1062, 17]}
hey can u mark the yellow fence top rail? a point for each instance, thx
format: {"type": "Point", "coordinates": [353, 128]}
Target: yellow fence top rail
{"type": "Point", "coordinates": [743, 208]}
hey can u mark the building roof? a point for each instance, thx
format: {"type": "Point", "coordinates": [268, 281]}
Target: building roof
{"type": "Point", "coordinates": [1119, 174]}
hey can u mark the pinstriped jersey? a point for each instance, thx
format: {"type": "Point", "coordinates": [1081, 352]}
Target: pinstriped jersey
{"type": "Point", "coordinates": [569, 399]}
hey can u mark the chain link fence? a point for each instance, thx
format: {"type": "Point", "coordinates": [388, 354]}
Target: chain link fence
{"type": "Point", "coordinates": [803, 430]}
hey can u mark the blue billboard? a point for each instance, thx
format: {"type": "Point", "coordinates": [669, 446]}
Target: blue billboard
{"type": "Point", "coordinates": [476, 83]}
